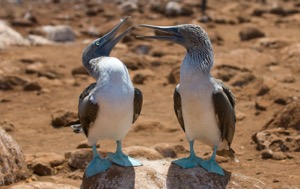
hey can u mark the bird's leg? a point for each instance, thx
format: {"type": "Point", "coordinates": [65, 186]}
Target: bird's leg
{"type": "Point", "coordinates": [191, 161]}
{"type": "Point", "coordinates": [121, 159]}
{"type": "Point", "coordinates": [211, 164]}
{"type": "Point", "coordinates": [97, 165]}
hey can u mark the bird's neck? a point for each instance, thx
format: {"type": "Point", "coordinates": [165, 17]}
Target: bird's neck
{"type": "Point", "coordinates": [92, 67]}
{"type": "Point", "coordinates": [200, 59]}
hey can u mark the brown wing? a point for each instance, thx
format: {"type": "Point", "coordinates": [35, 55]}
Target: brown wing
{"type": "Point", "coordinates": [87, 110]}
{"type": "Point", "coordinates": [226, 115]}
{"type": "Point", "coordinates": [178, 108]}
{"type": "Point", "coordinates": [228, 92]}
{"type": "Point", "coordinates": [137, 104]}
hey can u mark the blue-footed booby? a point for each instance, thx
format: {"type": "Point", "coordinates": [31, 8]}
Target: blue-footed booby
{"type": "Point", "coordinates": [108, 107]}
{"type": "Point", "coordinates": [204, 106]}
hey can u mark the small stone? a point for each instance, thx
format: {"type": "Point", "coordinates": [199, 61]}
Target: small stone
{"type": "Point", "coordinates": [32, 86]}
{"type": "Point", "coordinates": [264, 89]}
{"type": "Point", "coordinates": [172, 9]}
{"type": "Point", "coordinates": [61, 117]}
{"type": "Point", "coordinates": [250, 33]}
{"type": "Point", "coordinates": [79, 158]}
{"type": "Point", "coordinates": [34, 68]}
{"type": "Point", "coordinates": [6, 126]}
{"type": "Point", "coordinates": [42, 168]}
{"type": "Point", "coordinates": [59, 33]}
{"type": "Point", "coordinates": [278, 156]}
{"type": "Point", "coordinates": [9, 82]}
{"type": "Point", "coordinates": [266, 154]}
{"type": "Point", "coordinates": [261, 104]}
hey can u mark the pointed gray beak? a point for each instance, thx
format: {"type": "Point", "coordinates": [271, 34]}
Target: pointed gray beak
{"type": "Point", "coordinates": [108, 41]}
{"type": "Point", "coordinates": [172, 33]}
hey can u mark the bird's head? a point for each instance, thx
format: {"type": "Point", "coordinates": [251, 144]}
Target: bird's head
{"type": "Point", "coordinates": [188, 35]}
{"type": "Point", "coordinates": [104, 45]}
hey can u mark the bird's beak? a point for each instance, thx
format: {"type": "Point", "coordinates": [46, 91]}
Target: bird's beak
{"type": "Point", "coordinates": [110, 40]}
{"type": "Point", "coordinates": [172, 33]}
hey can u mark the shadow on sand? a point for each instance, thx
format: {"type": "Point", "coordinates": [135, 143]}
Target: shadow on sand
{"type": "Point", "coordinates": [198, 178]}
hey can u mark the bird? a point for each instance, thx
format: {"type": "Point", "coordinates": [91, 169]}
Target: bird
{"type": "Point", "coordinates": [204, 105]}
{"type": "Point", "coordinates": [108, 107]}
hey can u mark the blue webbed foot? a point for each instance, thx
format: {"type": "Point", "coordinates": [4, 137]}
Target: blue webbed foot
{"type": "Point", "coordinates": [211, 165]}
{"type": "Point", "coordinates": [190, 162]}
{"type": "Point", "coordinates": [97, 165]}
{"type": "Point", "coordinates": [121, 159]}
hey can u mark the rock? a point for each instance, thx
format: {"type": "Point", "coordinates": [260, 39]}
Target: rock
{"type": "Point", "coordinates": [277, 140]}
{"type": "Point", "coordinates": [52, 159]}
{"type": "Point", "coordinates": [37, 40]}
{"type": "Point", "coordinates": [10, 82]}
{"type": "Point", "coordinates": [12, 160]}
{"type": "Point", "coordinates": [263, 89]}
{"type": "Point", "coordinates": [6, 126]}
{"type": "Point", "coordinates": [129, 6]}
{"type": "Point", "coordinates": [34, 68]}
{"type": "Point", "coordinates": [250, 33]}
{"type": "Point", "coordinates": [262, 104]}
{"type": "Point", "coordinates": [79, 158]}
{"type": "Point", "coordinates": [60, 33]}
{"type": "Point", "coordinates": [289, 117]}
{"type": "Point", "coordinates": [162, 174]}
{"type": "Point", "coordinates": [172, 9]}
{"type": "Point", "coordinates": [32, 86]}
{"type": "Point", "coordinates": [278, 156]}
{"type": "Point", "coordinates": [42, 185]}
{"type": "Point", "coordinates": [9, 36]}
{"type": "Point", "coordinates": [140, 76]}
{"type": "Point", "coordinates": [42, 168]}
{"type": "Point", "coordinates": [272, 43]}
{"type": "Point", "coordinates": [61, 117]}
{"type": "Point", "coordinates": [267, 153]}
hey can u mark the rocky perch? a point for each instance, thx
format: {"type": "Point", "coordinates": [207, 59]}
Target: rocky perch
{"type": "Point", "coordinates": [12, 161]}
{"type": "Point", "coordinates": [163, 174]}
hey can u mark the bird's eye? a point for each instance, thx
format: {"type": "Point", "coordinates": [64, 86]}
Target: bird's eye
{"type": "Point", "coordinates": [97, 43]}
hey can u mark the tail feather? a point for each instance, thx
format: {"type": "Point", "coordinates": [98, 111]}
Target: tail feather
{"type": "Point", "coordinates": [228, 153]}
{"type": "Point", "coordinates": [75, 125]}
{"type": "Point", "coordinates": [77, 128]}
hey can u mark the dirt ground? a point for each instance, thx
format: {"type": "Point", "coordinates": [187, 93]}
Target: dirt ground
{"type": "Point", "coordinates": [247, 66]}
